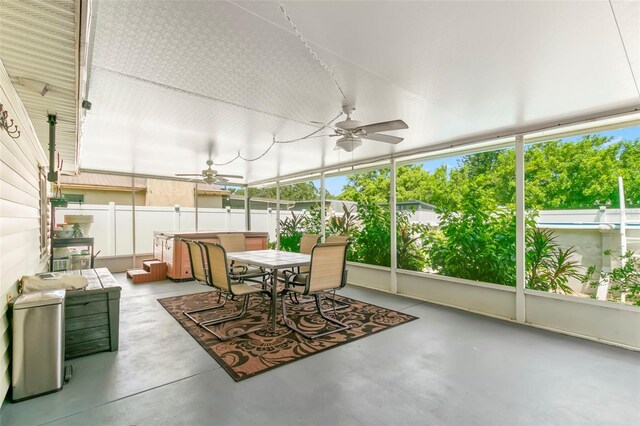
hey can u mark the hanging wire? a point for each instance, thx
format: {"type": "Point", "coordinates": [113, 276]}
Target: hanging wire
{"type": "Point", "coordinates": [229, 161]}
{"type": "Point", "coordinates": [312, 133]}
{"type": "Point", "coordinates": [274, 142]}
{"type": "Point", "coordinates": [311, 51]}
{"type": "Point", "coordinates": [624, 47]}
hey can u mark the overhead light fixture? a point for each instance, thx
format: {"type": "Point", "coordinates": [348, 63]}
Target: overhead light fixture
{"type": "Point", "coordinates": [37, 86]}
{"type": "Point", "coordinates": [348, 143]}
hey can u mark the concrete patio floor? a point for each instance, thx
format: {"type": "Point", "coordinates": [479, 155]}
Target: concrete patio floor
{"type": "Point", "coordinates": [448, 367]}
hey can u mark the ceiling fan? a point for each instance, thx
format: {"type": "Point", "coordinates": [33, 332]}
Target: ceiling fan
{"type": "Point", "coordinates": [351, 132]}
{"type": "Point", "coordinates": [210, 176]}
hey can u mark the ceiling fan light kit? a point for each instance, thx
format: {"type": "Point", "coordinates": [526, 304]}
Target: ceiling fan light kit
{"type": "Point", "coordinates": [348, 143]}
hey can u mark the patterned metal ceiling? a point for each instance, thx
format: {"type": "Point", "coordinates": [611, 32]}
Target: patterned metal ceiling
{"type": "Point", "coordinates": [170, 81]}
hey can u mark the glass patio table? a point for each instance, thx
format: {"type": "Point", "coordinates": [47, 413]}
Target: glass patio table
{"type": "Point", "coordinates": [272, 260]}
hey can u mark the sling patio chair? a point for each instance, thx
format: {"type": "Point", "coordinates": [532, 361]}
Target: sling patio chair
{"type": "Point", "coordinates": [221, 278]}
{"type": "Point", "coordinates": [327, 273]}
{"type": "Point", "coordinates": [307, 243]}
{"type": "Point", "coordinates": [240, 271]}
{"type": "Point", "coordinates": [336, 239]}
{"type": "Point", "coordinates": [201, 275]}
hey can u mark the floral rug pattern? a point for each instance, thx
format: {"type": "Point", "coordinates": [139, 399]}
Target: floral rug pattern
{"type": "Point", "coordinates": [245, 356]}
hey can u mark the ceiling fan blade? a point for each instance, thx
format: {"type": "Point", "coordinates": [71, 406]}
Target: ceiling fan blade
{"type": "Point", "coordinates": [382, 127]}
{"type": "Point", "coordinates": [383, 138]}
{"type": "Point", "coordinates": [188, 174]}
{"type": "Point", "coordinates": [230, 176]}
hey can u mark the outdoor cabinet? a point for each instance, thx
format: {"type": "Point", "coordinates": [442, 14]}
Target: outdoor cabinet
{"type": "Point", "coordinates": [92, 315]}
{"type": "Point", "coordinates": [175, 255]}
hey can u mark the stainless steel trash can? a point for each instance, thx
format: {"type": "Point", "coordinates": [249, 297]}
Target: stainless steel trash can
{"type": "Point", "coordinates": [38, 344]}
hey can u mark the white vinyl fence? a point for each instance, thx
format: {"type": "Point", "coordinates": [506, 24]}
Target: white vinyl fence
{"type": "Point", "coordinates": [112, 224]}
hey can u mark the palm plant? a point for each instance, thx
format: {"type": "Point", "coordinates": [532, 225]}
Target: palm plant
{"type": "Point", "coordinates": [346, 224]}
{"type": "Point", "coordinates": [411, 255]}
{"type": "Point", "coordinates": [549, 267]}
{"type": "Point", "coordinates": [291, 230]}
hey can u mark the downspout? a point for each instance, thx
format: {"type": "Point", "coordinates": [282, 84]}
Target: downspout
{"type": "Point", "coordinates": [247, 209]}
{"type": "Point", "coordinates": [52, 176]}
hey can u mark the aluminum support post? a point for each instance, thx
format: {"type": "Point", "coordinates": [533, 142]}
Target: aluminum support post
{"type": "Point", "coordinates": [394, 230]}
{"type": "Point", "coordinates": [520, 231]}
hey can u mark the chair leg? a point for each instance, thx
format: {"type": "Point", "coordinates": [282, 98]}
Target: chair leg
{"type": "Point", "coordinates": [336, 304]}
{"type": "Point", "coordinates": [318, 300]}
{"type": "Point", "coordinates": [219, 305]}
{"type": "Point", "coordinates": [245, 304]}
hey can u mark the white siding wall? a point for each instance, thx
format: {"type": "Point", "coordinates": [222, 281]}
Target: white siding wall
{"type": "Point", "coordinates": [19, 211]}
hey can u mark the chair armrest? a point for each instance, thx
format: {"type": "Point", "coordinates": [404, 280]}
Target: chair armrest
{"type": "Point", "coordinates": [290, 277]}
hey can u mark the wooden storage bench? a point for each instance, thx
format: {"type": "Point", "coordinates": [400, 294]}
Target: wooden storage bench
{"type": "Point", "coordinates": [92, 315]}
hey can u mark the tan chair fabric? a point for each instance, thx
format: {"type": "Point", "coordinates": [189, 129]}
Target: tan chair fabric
{"type": "Point", "coordinates": [233, 242]}
{"type": "Point", "coordinates": [336, 239]}
{"type": "Point", "coordinates": [197, 261]}
{"type": "Point", "coordinates": [306, 245]}
{"type": "Point", "coordinates": [220, 278]}
{"type": "Point", "coordinates": [307, 242]}
{"type": "Point", "coordinates": [327, 267]}
{"type": "Point", "coordinates": [218, 269]}
{"type": "Point", "coordinates": [327, 274]}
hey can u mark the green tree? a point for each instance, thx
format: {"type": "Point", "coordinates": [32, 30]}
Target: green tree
{"type": "Point", "coordinates": [559, 175]}
{"type": "Point", "coordinates": [367, 187]}
{"type": "Point", "coordinates": [305, 191]}
{"type": "Point", "coordinates": [476, 241]}
{"type": "Point", "coordinates": [582, 174]}
{"type": "Point", "coordinates": [415, 183]}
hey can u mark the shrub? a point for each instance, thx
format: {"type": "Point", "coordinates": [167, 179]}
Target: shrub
{"type": "Point", "coordinates": [372, 241]}
{"type": "Point", "coordinates": [291, 230]}
{"type": "Point", "coordinates": [548, 266]}
{"type": "Point", "coordinates": [624, 279]}
{"type": "Point", "coordinates": [478, 242]}
{"type": "Point", "coordinates": [475, 244]}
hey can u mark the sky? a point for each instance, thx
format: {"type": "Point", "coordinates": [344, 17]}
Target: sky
{"type": "Point", "coordinates": [334, 184]}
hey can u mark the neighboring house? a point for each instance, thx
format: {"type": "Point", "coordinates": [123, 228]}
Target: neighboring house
{"type": "Point", "coordinates": [415, 205]}
{"type": "Point", "coordinates": [94, 188]}
{"type": "Point", "coordinates": [334, 205]}
{"type": "Point", "coordinates": [258, 203]}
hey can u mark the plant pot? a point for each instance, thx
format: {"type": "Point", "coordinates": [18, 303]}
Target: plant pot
{"type": "Point", "coordinates": [58, 202]}
{"type": "Point", "coordinates": [84, 221]}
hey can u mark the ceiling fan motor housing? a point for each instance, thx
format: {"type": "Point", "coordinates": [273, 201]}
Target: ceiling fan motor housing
{"type": "Point", "coordinates": [348, 124]}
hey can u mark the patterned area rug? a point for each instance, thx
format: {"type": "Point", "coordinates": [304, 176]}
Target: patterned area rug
{"type": "Point", "coordinates": [245, 356]}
